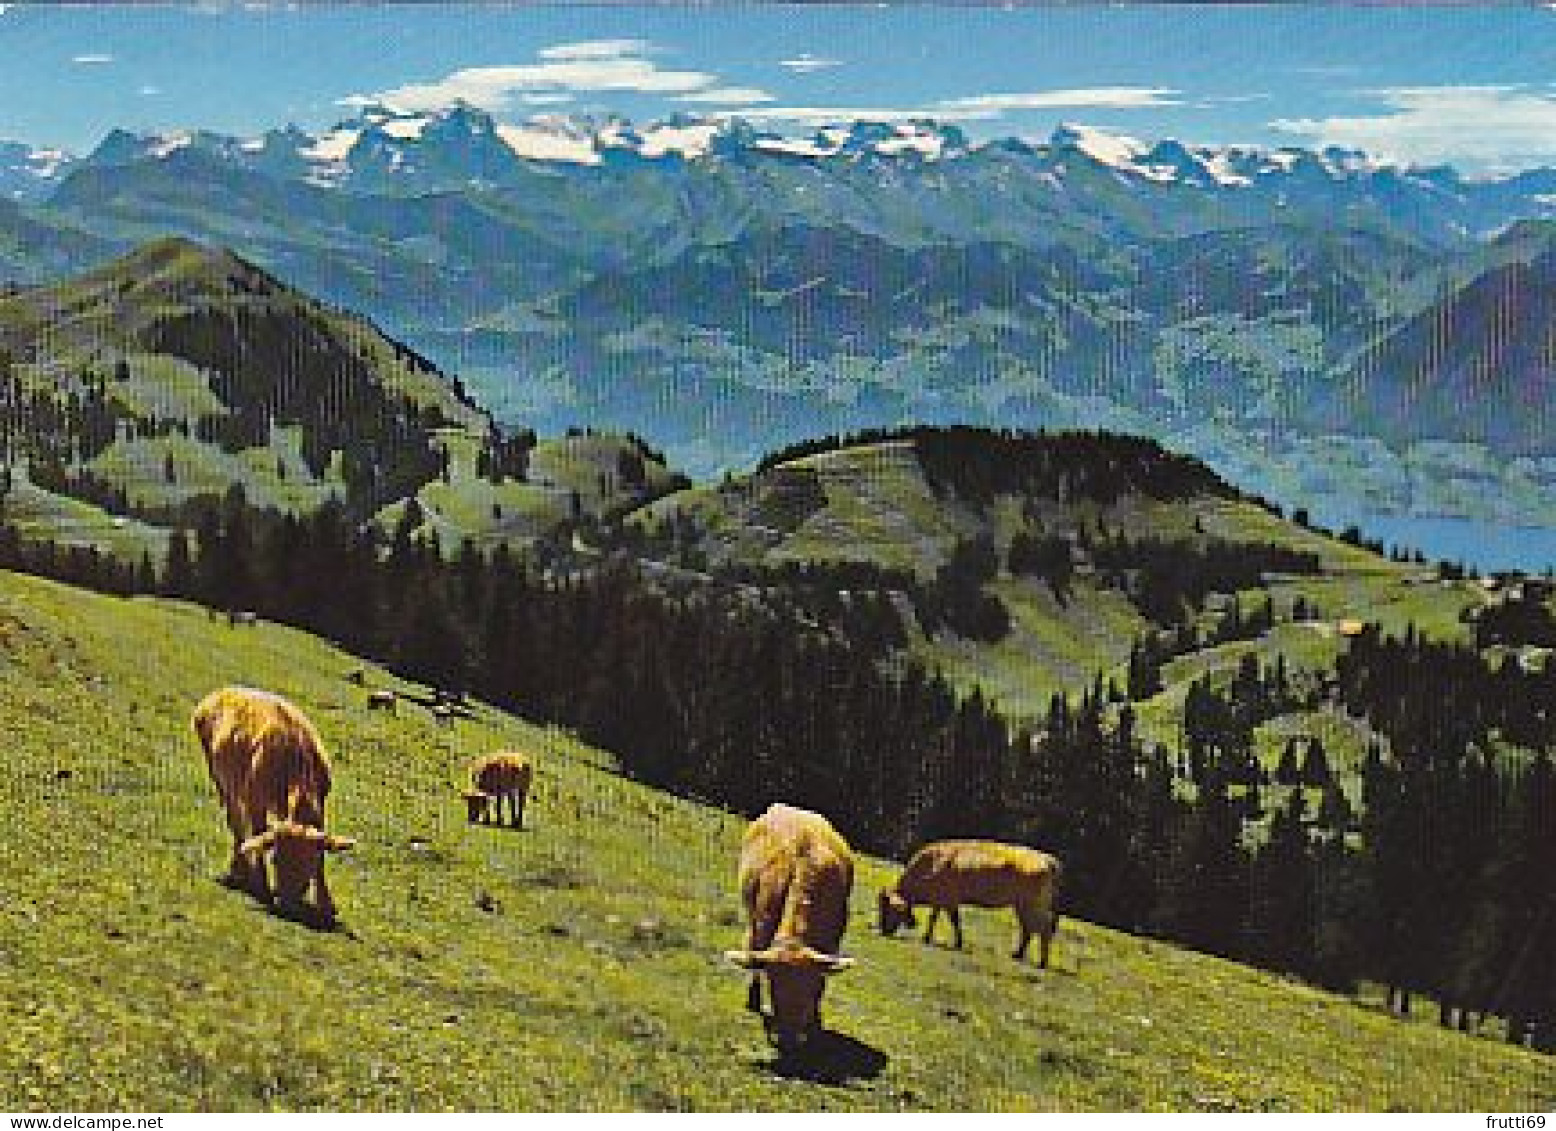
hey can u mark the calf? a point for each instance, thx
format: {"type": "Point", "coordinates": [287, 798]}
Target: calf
{"type": "Point", "coordinates": [947, 874]}
{"type": "Point", "coordinates": [495, 779]}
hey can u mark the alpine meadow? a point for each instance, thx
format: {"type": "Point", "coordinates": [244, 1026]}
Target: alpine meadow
{"type": "Point", "coordinates": [777, 558]}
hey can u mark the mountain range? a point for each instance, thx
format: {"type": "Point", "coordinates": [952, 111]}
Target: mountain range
{"type": "Point", "coordinates": [724, 288]}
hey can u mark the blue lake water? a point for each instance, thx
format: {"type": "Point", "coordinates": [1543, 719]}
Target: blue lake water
{"type": "Point", "coordinates": [1488, 546]}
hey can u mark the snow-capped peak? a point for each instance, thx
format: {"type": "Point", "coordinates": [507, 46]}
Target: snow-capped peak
{"type": "Point", "coordinates": [1115, 150]}
{"type": "Point", "coordinates": [27, 173]}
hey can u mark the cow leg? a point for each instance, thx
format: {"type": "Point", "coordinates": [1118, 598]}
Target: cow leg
{"type": "Point", "coordinates": [929, 927]}
{"type": "Point", "coordinates": [518, 813]}
{"type": "Point", "coordinates": [515, 817]}
{"type": "Point", "coordinates": [955, 915]}
{"type": "Point", "coordinates": [754, 994]}
{"type": "Point", "coordinates": [239, 872]}
{"type": "Point", "coordinates": [1046, 932]}
{"type": "Point", "coordinates": [258, 870]}
{"type": "Point", "coordinates": [324, 900]}
{"type": "Point", "coordinates": [1031, 921]}
{"type": "Point", "coordinates": [238, 868]}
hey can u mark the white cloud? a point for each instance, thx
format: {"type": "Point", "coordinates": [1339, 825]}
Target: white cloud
{"type": "Point", "coordinates": [149, 91]}
{"type": "Point", "coordinates": [806, 62]}
{"type": "Point", "coordinates": [728, 96]}
{"type": "Point", "coordinates": [596, 49]}
{"type": "Point", "coordinates": [565, 69]}
{"type": "Point", "coordinates": [494, 88]}
{"type": "Point", "coordinates": [1083, 98]}
{"type": "Point", "coordinates": [979, 107]}
{"type": "Point", "coordinates": [1494, 128]}
{"type": "Point", "coordinates": [92, 60]}
{"type": "Point", "coordinates": [834, 115]}
{"type": "Point", "coordinates": [545, 97]}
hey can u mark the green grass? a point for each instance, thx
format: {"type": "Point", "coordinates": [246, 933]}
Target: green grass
{"type": "Point", "coordinates": [465, 505]}
{"type": "Point", "coordinates": [272, 476]}
{"type": "Point", "coordinates": [45, 516]}
{"type": "Point", "coordinates": [574, 965]}
{"type": "Point", "coordinates": [1052, 646]}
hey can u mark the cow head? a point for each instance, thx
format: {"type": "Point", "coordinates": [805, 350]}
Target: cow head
{"type": "Point", "coordinates": [796, 975]}
{"type": "Point", "coordinates": [896, 913]}
{"type": "Point", "coordinates": [298, 851]}
{"type": "Point", "coordinates": [477, 805]}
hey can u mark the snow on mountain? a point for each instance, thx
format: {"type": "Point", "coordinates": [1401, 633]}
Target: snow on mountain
{"type": "Point", "coordinates": [383, 150]}
{"type": "Point", "coordinates": [381, 141]}
{"type": "Point", "coordinates": [1114, 150]}
{"type": "Point", "coordinates": [27, 173]}
{"type": "Point", "coordinates": [542, 139]}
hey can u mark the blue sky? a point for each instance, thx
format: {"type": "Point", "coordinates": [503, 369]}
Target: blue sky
{"type": "Point", "coordinates": [1472, 86]}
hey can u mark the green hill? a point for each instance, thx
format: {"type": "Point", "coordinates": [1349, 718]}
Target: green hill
{"type": "Point", "coordinates": [875, 502]}
{"type": "Point", "coordinates": [162, 378]}
{"type": "Point", "coordinates": [573, 965]}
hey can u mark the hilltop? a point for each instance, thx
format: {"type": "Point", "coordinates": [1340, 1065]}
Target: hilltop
{"type": "Point", "coordinates": [894, 510]}
{"type": "Point", "coordinates": [574, 965]}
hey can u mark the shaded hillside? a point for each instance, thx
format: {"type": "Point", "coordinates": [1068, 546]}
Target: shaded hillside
{"type": "Point", "coordinates": [585, 949]}
{"type": "Point", "coordinates": [1478, 366]}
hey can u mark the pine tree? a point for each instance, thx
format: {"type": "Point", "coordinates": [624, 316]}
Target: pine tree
{"type": "Point", "coordinates": [178, 577]}
{"type": "Point", "coordinates": [1286, 772]}
{"type": "Point", "coordinates": [1283, 916]}
{"type": "Point", "coordinates": [1315, 764]}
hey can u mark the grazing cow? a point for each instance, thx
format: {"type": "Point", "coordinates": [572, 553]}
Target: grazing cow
{"type": "Point", "coordinates": [357, 676]}
{"type": "Point", "coordinates": [443, 715]}
{"type": "Point", "coordinates": [494, 779]}
{"type": "Point", "coordinates": [947, 874]}
{"type": "Point", "coordinates": [271, 773]}
{"type": "Point", "coordinates": [241, 618]}
{"type": "Point", "coordinates": [382, 701]}
{"type": "Point", "coordinates": [796, 874]}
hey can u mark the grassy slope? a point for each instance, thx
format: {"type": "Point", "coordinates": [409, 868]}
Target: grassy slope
{"type": "Point", "coordinates": [132, 980]}
{"type": "Point", "coordinates": [468, 506]}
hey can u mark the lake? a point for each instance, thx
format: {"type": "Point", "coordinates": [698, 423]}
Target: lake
{"type": "Point", "coordinates": [1486, 545]}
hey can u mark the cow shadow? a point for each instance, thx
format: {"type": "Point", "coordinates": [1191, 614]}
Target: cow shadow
{"type": "Point", "coordinates": [831, 1059]}
{"type": "Point", "coordinates": [309, 917]}
{"type": "Point", "coordinates": [304, 915]}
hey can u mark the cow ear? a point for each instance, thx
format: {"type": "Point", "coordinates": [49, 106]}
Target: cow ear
{"type": "Point", "coordinates": [745, 959]}
{"type": "Point", "coordinates": [339, 843]}
{"type": "Point", "coordinates": [258, 843]}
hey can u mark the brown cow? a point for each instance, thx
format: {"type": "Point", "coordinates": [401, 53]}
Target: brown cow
{"type": "Point", "coordinates": [796, 874]}
{"type": "Point", "coordinates": [496, 778]}
{"type": "Point", "coordinates": [979, 873]}
{"type": "Point", "coordinates": [272, 775]}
